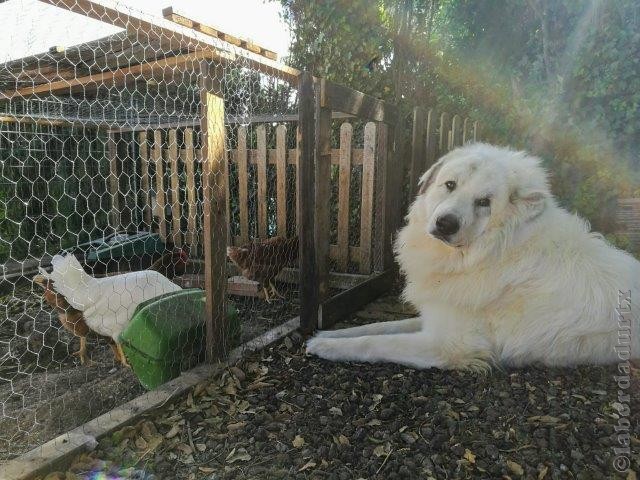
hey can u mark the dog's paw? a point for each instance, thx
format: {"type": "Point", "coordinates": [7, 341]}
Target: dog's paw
{"type": "Point", "coordinates": [328, 334]}
{"type": "Point", "coordinates": [323, 347]}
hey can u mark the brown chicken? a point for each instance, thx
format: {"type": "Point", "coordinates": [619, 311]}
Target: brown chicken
{"type": "Point", "coordinates": [263, 261]}
{"type": "Point", "coordinates": [172, 264]}
{"type": "Point", "coordinates": [73, 321]}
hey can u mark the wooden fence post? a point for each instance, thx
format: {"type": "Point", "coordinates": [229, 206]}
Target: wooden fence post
{"type": "Point", "coordinates": [322, 155]}
{"type": "Point", "coordinates": [418, 149]}
{"type": "Point", "coordinates": [431, 146]}
{"type": "Point", "coordinates": [176, 210]}
{"type": "Point", "coordinates": [456, 131]}
{"type": "Point", "coordinates": [114, 183]}
{"type": "Point", "coordinates": [156, 154]}
{"type": "Point", "coordinates": [144, 179]}
{"type": "Point", "coordinates": [444, 134]}
{"type": "Point", "coordinates": [309, 276]}
{"type": "Point", "coordinates": [214, 208]}
{"type": "Point", "coordinates": [344, 187]}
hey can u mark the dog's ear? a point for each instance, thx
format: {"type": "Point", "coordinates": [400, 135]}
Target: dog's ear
{"type": "Point", "coordinates": [531, 202]}
{"type": "Point", "coordinates": [429, 176]}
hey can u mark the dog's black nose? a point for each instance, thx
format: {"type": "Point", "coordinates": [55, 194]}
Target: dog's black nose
{"type": "Point", "coordinates": [447, 224]}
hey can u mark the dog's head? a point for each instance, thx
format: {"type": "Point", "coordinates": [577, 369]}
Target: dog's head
{"type": "Point", "coordinates": [479, 189]}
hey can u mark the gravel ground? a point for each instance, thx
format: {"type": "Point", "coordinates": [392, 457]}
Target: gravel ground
{"type": "Point", "coordinates": [280, 414]}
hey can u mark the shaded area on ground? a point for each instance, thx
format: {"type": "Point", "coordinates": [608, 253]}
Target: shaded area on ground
{"type": "Point", "coordinates": [280, 414]}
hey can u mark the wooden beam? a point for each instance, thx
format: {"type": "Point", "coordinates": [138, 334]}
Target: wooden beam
{"type": "Point", "coordinates": [306, 186]}
{"type": "Point", "coordinates": [214, 208]}
{"type": "Point", "coordinates": [170, 35]}
{"type": "Point", "coordinates": [344, 191]}
{"type": "Point", "coordinates": [418, 147]}
{"type": "Point", "coordinates": [174, 179]}
{"type": "Point", "coordinates": [350, 301]}
{"type": "Point", "coordinates": [169, 14]}
{"type": "Point", "coordinates": [344, 99]}
{"type": "Point", "coordinates": [322, 215]}
{"type": "Point", "coordinates": [156, 157]}
{"type": "Point", "coordinates": [114, 183]}
{"type": "Point", "coordinates": [110, 78]}
{"type": "Point", "coordinates": [281, 180]}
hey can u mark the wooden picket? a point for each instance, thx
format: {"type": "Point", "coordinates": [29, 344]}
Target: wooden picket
{"type": "Point", "coordinates": [262, 181]}
{"type": "Point", "coordinates": [344, 186]}
{"type": "Point", "coordinates": [176, 213]}
{"type": "Point", "coordinates": [188, 156]}
{"type": "Point", "coordinates": [156, 155]}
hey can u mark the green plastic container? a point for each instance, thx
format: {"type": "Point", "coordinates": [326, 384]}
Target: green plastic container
{"type": "Point", "coordinates": [121, 245]}
{"type": "Point", "coordinates": [166, 336]}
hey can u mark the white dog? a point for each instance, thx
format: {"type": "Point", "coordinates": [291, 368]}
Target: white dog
{"type": "Point", "coordinates": [500, 274]}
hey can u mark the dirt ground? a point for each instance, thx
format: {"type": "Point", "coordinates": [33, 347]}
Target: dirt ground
{"type": "Point", "coordinates": [280, 414]}
{"type": "Point", "coordinates": [44, 391]}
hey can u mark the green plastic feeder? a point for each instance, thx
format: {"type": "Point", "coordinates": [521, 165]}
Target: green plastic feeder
{"type": "Point", "coordinates": [166, 336]}
{"type": "Point", "coordinates": [121, 245]}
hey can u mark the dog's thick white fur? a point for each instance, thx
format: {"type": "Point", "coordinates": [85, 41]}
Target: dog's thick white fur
{"type": "Point", "coordinates": [522, 281]}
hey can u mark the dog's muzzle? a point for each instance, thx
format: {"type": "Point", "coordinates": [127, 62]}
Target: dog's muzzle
{"type": "Point", "coordinates": [446, 226]}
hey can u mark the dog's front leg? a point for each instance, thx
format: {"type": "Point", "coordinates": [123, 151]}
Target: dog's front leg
{"type": "Point", "coordinates": [411, 349]}
{"type": "Point", "coordinates": [409, 325]}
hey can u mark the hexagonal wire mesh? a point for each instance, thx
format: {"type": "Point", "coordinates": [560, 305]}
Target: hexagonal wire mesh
{"type": "Point", "coordinates": [102, 175]}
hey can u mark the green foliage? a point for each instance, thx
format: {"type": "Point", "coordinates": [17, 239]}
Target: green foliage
{"type": "Point", "coordinates": [559, 78]}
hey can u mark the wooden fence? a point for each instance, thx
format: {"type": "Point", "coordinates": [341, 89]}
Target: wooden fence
{"type": "Point", "coordinates": [316, 198]}
{"type": "Point", "coordinates": [434, 135]}
{"type": "Point", "coordinates": [628, 220]}
{"type": "Point", "coordinates": [169, 162]}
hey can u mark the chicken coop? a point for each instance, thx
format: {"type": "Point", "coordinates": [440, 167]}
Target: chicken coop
{"type": "Point", "coordinates": [169, 192]}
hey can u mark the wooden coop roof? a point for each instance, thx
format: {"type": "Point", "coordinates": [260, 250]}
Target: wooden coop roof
{"type": "Point", "coordinates": [143, 51]}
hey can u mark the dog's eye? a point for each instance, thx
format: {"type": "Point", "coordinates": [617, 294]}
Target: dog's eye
{"type": "Point", "coordinates": [451, 185]}
{"type": "Point", "coordinates": [483, 202]}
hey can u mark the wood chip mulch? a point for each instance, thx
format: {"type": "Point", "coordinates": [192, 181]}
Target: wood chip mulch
{"type": "Point", "coordinates": [280, 414]}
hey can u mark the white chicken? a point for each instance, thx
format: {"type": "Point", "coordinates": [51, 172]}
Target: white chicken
{"type": "Point", "coordinates": [107, 304]}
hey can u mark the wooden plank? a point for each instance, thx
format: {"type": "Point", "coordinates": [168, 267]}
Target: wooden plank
{"type": "Point", "coordinates": [156, 156]}
{"type": "Point", "coordinates": [350, 301]}
{"type": "Point", "coordinates": [112, 78]}
{"type": "Point", "coordinates": [418, 146]}
{"type": "Point", "coordinates": [281, 179]}
{"type": "Point", "coordinates": [344, 188]}
{"type": "Point", "coordinates": [380, 197]}
{"type": "Point", "coordinates": [243, 185]}
{"type": "Point", "coordinates": [192, 195]}
{"type": "Point", "coordinates": [272, 159]}
{"type": "Point", "coordinates": [354, 253]}
{"type": "Point", "coordinates": [114, 183]}
{"type": "Point", "coordinates": [144, 180]}
{"type": "Point", "coordinates": [342, 281]}
{"type": "Point", "coordinates": [170, 35]}
{"type": "Point", "coordinates": [476, 131]}
{"type": "Point", "coordinates": [344, 99]}
{"type": "Point", "coordinates": [261, 134]}
{"type": "Point", "coordinates": [322, 195]}
{"type": "Point", "coordinates": [367, 197]}
{"type": "Point", "coordinates": [450, 141]}
{"type": "Point", "coordinates": [227, 191]}
{"type": "Point", "coordinates": [306, 139]}
{"type": "Point", "coordinates": [214, 205]}
{"type": "Point", "coordinates": [169, 14]}
{"type": "Point", "coordinates": [466, 131]}
{"type": "Point", "coordinates": [443, 144]}
{"type": "Point", "coordinates": [230, 119]}
{"type": "Point", "coordinates": [394, 191]}
{"type": "Point", "coordinates": [456, 131]}
{"type": "Point", "coordinates": [431, 142]}
{"type": "Point", "coordinates": [176, 211]}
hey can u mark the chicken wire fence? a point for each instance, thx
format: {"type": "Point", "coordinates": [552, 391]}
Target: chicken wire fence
{"type": "Point", "coordinates": [105, 182]}
{"type": "Point", "coordinates": [136, 154]}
